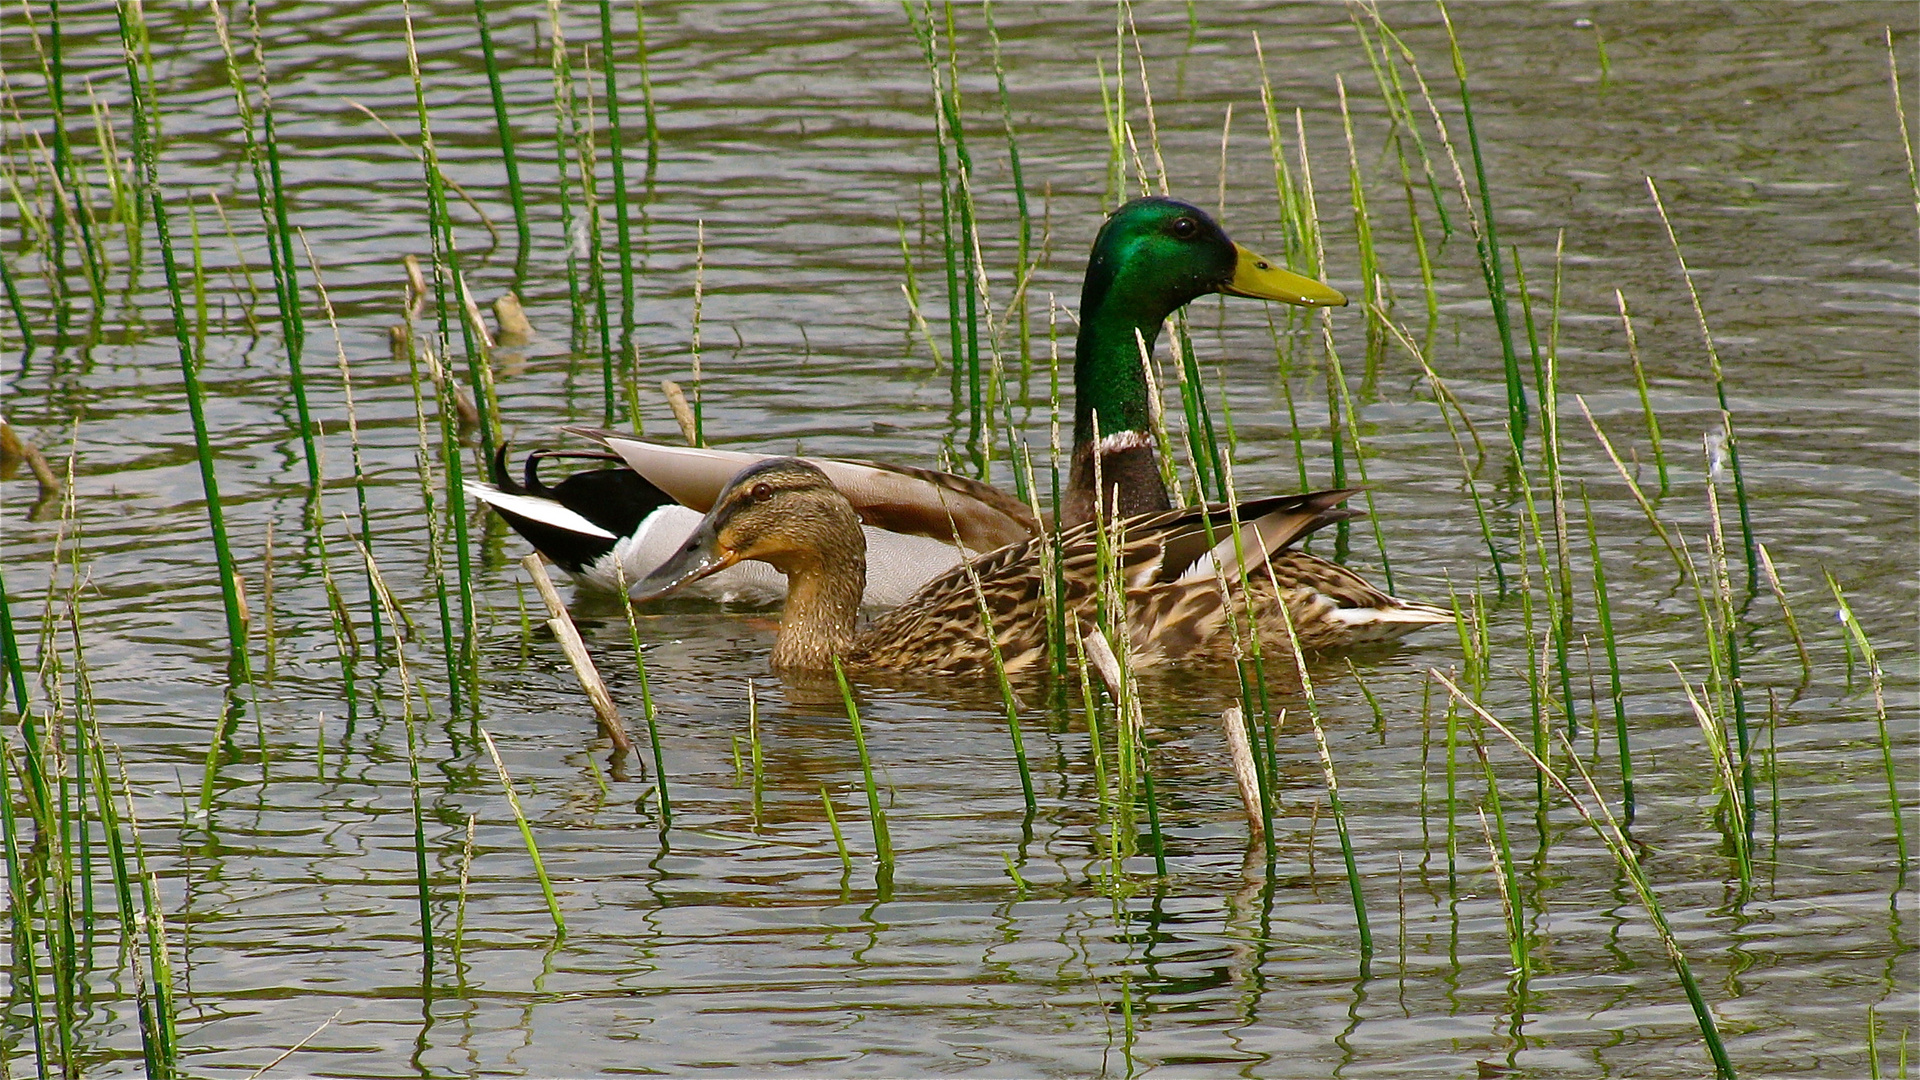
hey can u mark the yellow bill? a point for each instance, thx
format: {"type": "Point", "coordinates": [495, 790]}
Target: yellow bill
{"type": "Point", "coordinates": [1263, 279]}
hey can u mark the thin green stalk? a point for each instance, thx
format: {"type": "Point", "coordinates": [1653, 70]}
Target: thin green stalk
{"type": "Point", "coordinates": [509, 157]}
{"type": "Point", "coordinates": [563, 123]}
{"type": "Point", "coordinates": [833, 823]}
{"type": "Point", "coordinates": [646, 87]}
{"type": "Point", "coordinates": [423, 882]}
{"type": "Point", "coordinates": [1603, 611]}
{"type": "Point", "coordinates": [526, 834]}
{"type": "Point", "coordinates": [1488, 242]}
{"type": "Point", "coordinates": [1640, 384]}
{"type": "Point", "coordinates": [882, 838]}
{"type": "Point", "coordinates": [618, 158]}
{"type": "Point", "coordinates": [464, 659]}
{"type": "Point", "coordinates": [753, 747]}
{"type": "Point", "coordinates": [1859, 636]}
{"type": "Point", "coordinates": [646, 703]}
{"type": "Point", "coordinates": [1720, 393]}
{"type": "Point", "coordinates": [147, 155]}
{"type": "Point", "coordinates": [1600, 819]}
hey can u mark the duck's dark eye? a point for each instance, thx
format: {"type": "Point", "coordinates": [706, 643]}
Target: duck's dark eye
{"type": "Point", "coordinates": [1185, 227]}
{"type": "Point", "coordinates": [762, 491]}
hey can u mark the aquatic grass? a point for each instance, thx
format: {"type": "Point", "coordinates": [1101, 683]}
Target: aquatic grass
{"type": "Point", "coordinates": [423, 886]}
{"type": "Point", "coordinates": [1487, 239]}
{"type": "Point", "coordinates": [1858, 635]}
{"type": "Point", "coordinates": [1024, 254]}
{"type": "Point", "coordinates": [1373, 282]}
{"type": "Point", "coordinates": [646, 88]}
{"type": "Point", "coordinates": [1720, 393]}
{"type": "Point", "coordinates": [753, 748]}
{"type": "Point", "coordinates": [616, 154]}
{"type": "Point", "coordinates": [1726, 779]}
{"type": "Point", "coordinates": [1593, 810]}
{"type": "Point", "coordinates": [876, 813]}
{"type": "Point", "coordinates": [1640, 384]}
{"type": "Point", "coordinates": [1006, 688]}
{"type": "Point", "coordinates": [132, 32]}
{"type": "Point", "coordinates": [261, 150]}
{"type": "Point", "coordinates": [1603, 612]}
{"type": "Point", "coordinates": [462, 660]}
{"type": "Point", "coordinates": [560, 67]}
{"type": "Point", "coordinates": [839, 838]}
{"type": "Point", "coordinates": [526, 834]}
{"type": "Point", "coordinates": [509, 156]}
{"type": "Point", "coordinates": [353, 434]}
{"type": "Point", "coordinates": [1786, 614]}
{"type": "Point", "coordinates": [1467, 471]}
{"type": "Point", "coordinates": [647, 709]}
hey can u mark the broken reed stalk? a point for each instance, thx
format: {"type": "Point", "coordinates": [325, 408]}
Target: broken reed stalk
{"type": "Point", "coordinates": [526, 834]}
{"type": "Point", "coordinates": [1245, 775]}
{"type": "Point", "coordinates": [569, 638]}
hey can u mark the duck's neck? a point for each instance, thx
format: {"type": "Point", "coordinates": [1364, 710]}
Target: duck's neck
{"type": "Point", "coordinates": [1112, 412]}
{"type": "Point", "coordinates": [823, 605]}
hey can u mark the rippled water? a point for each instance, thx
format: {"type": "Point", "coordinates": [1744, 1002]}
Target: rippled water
{"type": "Point", "coordinates": [798, 141]}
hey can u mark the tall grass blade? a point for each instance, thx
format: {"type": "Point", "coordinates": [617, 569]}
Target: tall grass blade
{"type": "Point", "coordinates": [509, 156]}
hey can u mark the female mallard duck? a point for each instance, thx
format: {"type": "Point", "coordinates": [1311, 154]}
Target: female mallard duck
{"type": "Point", "coordinates": [1178, 569]}
{"type": "Point", "coordinates": [1151, 257]}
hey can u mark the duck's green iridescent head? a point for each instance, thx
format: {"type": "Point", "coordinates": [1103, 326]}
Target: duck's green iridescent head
{"type": "Point", "coordinates": [1152, 257]}
{"type": "Point", "coordinates": [1155, 255]}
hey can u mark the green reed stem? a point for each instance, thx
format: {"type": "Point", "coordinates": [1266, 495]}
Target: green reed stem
{"type": "Point", "coordinates": [509, 157]}
{"type": "Point", "coordinates": [1601, 820]}
{"type": "Point", "coordinates": [618, 158]}
{"type": "Point", "coordinates": [1500, 846]}
{"type": "Point", "coordinates": [1488, 243]}
{"type": "Point", "coordinates": [1603, 610]}
{"type": "Point", "coordinates": [1720, 393]}
{"type": "Point", "coordinates": [563, 124]}
{"type": "Point", "coordinates": [1019, 192]}
{"type": "Point", "coordinates": [1640, 384]}
{"type": "Point", "coordinates": [839, 838]}
{"type": "Point", "coordinates": [446, 266]}
{"type": "Point", "coordinates": [646, 704]}
{"type": "Point", "coordinates": [1859, 636]}
{"type": "Point", "coordinates": [646, 87]}
{"type": "Point", "coordinates": [526, 834]}
{"type": "Point", "coordinates": [146, 154]}
{"type": "Point", "coordinates": [882, 838]}
{"type": "Point", "coordinates": [26, 963]}
{"type": "Point", "coordinates": [753, 747]}
{"type": "Point", "coordinates": [18, 307]}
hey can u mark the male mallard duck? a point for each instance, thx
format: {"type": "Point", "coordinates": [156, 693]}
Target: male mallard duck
{"type": "Point", "coordinates": [1178, 568]}
{"type": "Point", "coordinates": [1151, 257]}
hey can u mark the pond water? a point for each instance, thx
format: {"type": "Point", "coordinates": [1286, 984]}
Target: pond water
{"type": "Point", "coordinates": [796, 148]}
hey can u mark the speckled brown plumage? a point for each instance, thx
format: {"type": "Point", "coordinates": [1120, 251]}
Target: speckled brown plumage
{"type": "Point", "coordinates": [1173, 582]}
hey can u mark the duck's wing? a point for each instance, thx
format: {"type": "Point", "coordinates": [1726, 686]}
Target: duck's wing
{"type": "Point", "coordinates": [895, 498]}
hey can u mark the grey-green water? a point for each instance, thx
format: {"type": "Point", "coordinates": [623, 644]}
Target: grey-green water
{"type": "Point", "coordinates": [734, 942]}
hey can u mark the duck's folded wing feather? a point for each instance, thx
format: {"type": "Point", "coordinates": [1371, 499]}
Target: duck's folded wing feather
{"type": "Point", "coordinates": [896, 498]}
